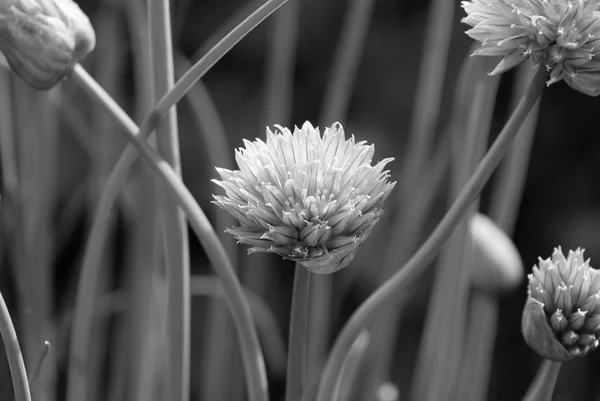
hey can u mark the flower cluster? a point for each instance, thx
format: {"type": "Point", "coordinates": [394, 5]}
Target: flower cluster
{"type": "Point", "coordinates": [308, 198]}
{"type": "Point", "coordinates": [562, 35]}
{"type": "Point", "coordinates": [561, 319]}
{"type": "Point", "coordinates": [43, 39]}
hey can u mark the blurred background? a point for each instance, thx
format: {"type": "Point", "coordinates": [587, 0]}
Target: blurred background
{"type": "Point", "coordinates": [62, 147]}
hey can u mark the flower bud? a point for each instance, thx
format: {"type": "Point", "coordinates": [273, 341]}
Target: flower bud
{"type": "Point", "coordinates": [42, 40]}
{"type": "Point", "coordinates": [561, 318]}
{"type": "Point", "coordinates": [497, 265]}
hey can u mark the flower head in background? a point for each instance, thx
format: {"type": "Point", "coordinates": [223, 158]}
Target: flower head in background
{"type": "Point", "coordinates": [308, 198]}
{"type": "Point", "coordinates": [562, 35]}
{"type": "Point", "coordinates": [561, 319]}
{"type": "Point", "coordinates": [43, 39]}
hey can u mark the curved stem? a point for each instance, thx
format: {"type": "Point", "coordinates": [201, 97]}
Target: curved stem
{"type": "Point", "coordinates": [414, 267]}
{"type": "Point", "coordinates": [183, 85]}
{"type": "Point", "coordinates": [251, 351]}
{"type": "Point", "coordinates": [296, 370]}
{"type": "Point", "coordinates": [542, 387]}
{"type": "Point", "coordinates": [14, 355]}
{"type": "Point", "coordinates": [84, 304]}
{"type": "Point", "coordinates": [266, 323]}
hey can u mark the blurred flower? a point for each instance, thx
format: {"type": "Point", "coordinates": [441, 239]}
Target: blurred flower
{"type": "Point", "coordinates": [561, 319]}
{"type": "Point", "coordinates": [563, 35]}
{"type": "Point", "coordinates": [308, 198]}
{"type": "Point", "coordinates": [497, 265]}
{"type": "Point", "coordinates": [43, 39]}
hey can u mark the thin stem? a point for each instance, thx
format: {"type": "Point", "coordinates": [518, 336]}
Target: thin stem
{"type": "Point", "coordinates": [266, 323]}
{"type": "Point", "coordinates": [14, 355]}
{"type": "Point", "coordinates": [84, 304]}
{"type": "Point", "coordinates": [175, 235]}
{"type": "Point", "coordinates": [251, 351]}
{"type": "Point", "coordinates": [503, 209]}
{"type": "Point", "coordinates": [435, 378]}
{"type": "Point", "coordinates": [542, 387]}
{"type": "Point", "coordinates": [340, 86]}
{"type": "Point", "coordinates": [183, 85]}
{"type": "Point", "coordinates": [281, 59]}
{"type": "Point", "coordinates": [397, 284]}
{"type": "Point", "coordinates": [347, 59]}
{"type": "Point", "coordinates": [434, 61]}
{"type": "Point", "coordinates": [38, 367]}
{"type": "Point", "coordinates": [296, 371]}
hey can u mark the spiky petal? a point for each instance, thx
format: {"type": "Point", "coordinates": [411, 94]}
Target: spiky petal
{"type": "Point", "coordinates": [561, 319]}
{"type": "Point", "coordinates": [562, 35]}
{"type": "Point", "coordinates": [308, 198]}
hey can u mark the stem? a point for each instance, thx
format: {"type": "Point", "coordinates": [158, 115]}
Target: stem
{"type": "Point", "coordinates": [14, 355]}
{"type": "Point", "coordinates": [84, 304]}
{"type": "Point", "coordinates": [435, 378]}
{"type": "Point", "coordinates": [398, 283]}
{"type": "Point", "coordinates": [175, 235]}
{"type": "Point", "coordinates": [347, 58]}
{"type": "Point", "coordinates": [281, 59]}
{"type": "Point", "coordinates": [183, 85]}
{"type": "Point", "coordinates": [266, 323]}
{"type": "Point", "coordinates": [503, 209]}
{"type": "Point", "coordinates": [251, 351]}
{"type": "Point", "coordinates": [296, 372]}
{"type": "Point", "coordinates": [430, 86]}
{"type": "Point", "coordinates": [340, 86]}
{"type": "Point", "coordinates": [542, 387]}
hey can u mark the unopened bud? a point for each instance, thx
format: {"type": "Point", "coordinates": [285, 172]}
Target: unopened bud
{"type": "Point", "coordinates": [42, 40]}
{"type": "Point", "coordinates": [560, 319]}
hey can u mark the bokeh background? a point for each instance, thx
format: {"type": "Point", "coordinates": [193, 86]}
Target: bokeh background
{"type": "Point", "coordinates": [64, 159]}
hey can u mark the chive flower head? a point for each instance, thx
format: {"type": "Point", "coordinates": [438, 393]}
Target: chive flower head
{"type": "Point", "coordinates": [562, 35]}
{"type": "Point", "coordinates": [561, 319]}
{"type": "Point", "coordinates": [308, 198]}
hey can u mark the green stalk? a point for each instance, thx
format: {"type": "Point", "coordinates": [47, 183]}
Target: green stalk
{"type": "Point", "coordinates": [219, 351]}
{"type": "Point", "coordinates": [407, 227]}
{"type": "Point", "coordinates": [430, 85]}
{"type": "Point", "coordinates": [338, 92]}
{"type": "Point", "coordinates": [296, 368]}
{"type": "Point", "coordinates": [175, 235]}
{"type": "Point", "coordinates": [347, 58]}
{"type": "Point", "coordinates": [347, 385]}
{"type": "Point", "coordinates": [85, 305]}
{"type": "Point", "coordinates": [409, 219]}
{"type": "Point", "coordinates": [281, 59]}
{"type": "Point", "coordinates": [441, 348]}
{"type": "Point", "coordinates": [147, 284]}
{"type": "Point", "coordinates": [542, 387]}
{"type": "Point", "coordinates": [503, 209]}
{"type": "Point", "coordinates": [251, 351]}
{"type": "Point", "coordinates": [427, 252]}
{"type": "Point", "coordinates": [264, 319]}
{"type": "Point", "coordinates": [14, 355]}
{"type": "Point", "coordinates": [36, 140]}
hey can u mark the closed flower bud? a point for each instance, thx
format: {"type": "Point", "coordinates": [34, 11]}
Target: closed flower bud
{"type": "Point", "coordinates": [308, 198]}
{"type": "Point", "coordinates": [42, 40]}
{"type": "Point", "coordinates": [561, 318]}
{"type": "Point", "coordinates": [497, 265]}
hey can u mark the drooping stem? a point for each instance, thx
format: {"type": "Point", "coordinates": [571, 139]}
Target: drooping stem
{"type": "Point", "coordinates": [427, 252]}
{"type": "Point", "coordinates": [14, 355]}
{"type": "Point", "coordinates": [542, 387]}
{"type": "Point", "coordinates": [296, 370]}
{"type": "Point", "coordinates": [251, 351]}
